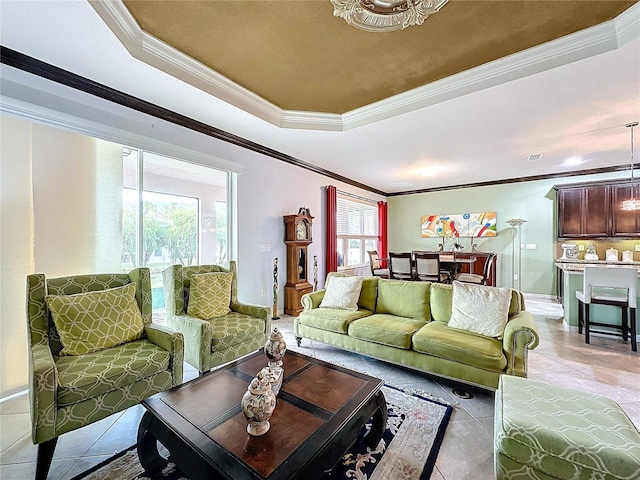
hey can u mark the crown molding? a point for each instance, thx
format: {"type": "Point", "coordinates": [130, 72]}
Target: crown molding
{"type": "Point", "coordinates": [577, 46]}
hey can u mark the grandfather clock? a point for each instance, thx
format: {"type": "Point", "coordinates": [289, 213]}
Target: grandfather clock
{"type": "Point", "coordinates": [297, 237]}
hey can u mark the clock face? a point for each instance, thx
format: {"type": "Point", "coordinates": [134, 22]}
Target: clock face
{"type": "Point", "coordinates": [301, 231]}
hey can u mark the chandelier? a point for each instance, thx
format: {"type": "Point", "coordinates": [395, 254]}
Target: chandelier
{"type": "Point", "coordinates": [632, 204]}
{"type": "Point", "coordinates": [381, 16]}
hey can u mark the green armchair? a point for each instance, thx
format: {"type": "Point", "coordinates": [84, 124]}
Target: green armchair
{"type": "Point", "coordinates": [214, 341]}
{"type": "Point", "coordinates": [70, 391]}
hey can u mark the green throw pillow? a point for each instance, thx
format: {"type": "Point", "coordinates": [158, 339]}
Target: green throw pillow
{"type": "Point", "coordinates": [210, 295]}
{"type": "Point", "coordinates": [92, 321]}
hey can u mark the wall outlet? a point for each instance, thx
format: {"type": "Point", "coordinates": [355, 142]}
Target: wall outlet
{"type": "Point", "coordinates": [263, 292]}
{"type": "Point", "coordinates": [515, 276]}
{"type": "Point", "coordinates": [638, 248]}
{"type": "Point", "coordinates": [581, 248]}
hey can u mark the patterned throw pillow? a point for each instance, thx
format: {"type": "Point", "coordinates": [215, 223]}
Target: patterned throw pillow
{"type": "Point", "coordinates": [343, 293]}
{"type": "Point", "coordinates": [210, 295]}
{"type": "Point", "coordinates": [92, 321]}
{"type": "Point", "coordinates": [480, 309]}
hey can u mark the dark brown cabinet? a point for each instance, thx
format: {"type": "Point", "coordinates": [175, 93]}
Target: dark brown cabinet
{"type": "Point", "coordinates": [593, 211]}
{"type": "Point", "coordinates": [624, 224]}
{"type": "Point", "coordinates": [583, 212]}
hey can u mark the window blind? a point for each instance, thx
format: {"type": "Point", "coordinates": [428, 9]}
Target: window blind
{"type": "Point", "coordinates": [356, 218]}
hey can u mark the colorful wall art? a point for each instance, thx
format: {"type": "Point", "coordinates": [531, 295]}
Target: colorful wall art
{"type": "Point", "coordinates": [459, 225]}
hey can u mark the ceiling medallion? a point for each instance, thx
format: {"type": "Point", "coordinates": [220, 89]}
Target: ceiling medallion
{"type": "Point", "coordinates": [385, 16]}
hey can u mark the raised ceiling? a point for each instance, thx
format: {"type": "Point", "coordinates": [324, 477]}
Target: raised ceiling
{"type": "Point", "coordinates": [298, 56]}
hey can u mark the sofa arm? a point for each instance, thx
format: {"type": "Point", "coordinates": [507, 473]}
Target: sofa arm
{"type": "Point", "coordinates": [43, 384]}
{"type": "Point", "coordinates": [520, 335]}
{"type": "Point", "coordinates": [257, 311]}
{"type": "Point", "coordinates": [312, 300]}
{"type": "Point", "coordinates": [198, 335]}
{"type": "Point", "coordinates": [172, 342]}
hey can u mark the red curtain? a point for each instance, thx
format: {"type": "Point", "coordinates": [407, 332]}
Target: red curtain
{"type": "Point", "coordinates": [332, 230]}
{"type": "Point", "coordinates": [382, 231]}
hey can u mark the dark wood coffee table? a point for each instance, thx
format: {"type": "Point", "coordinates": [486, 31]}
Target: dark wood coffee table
{"type": "Point", "coordinates": [319, 413]}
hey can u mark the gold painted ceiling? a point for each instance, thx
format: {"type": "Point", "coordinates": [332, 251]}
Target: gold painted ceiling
{"type": "Point", "coordinates": [298, 56]}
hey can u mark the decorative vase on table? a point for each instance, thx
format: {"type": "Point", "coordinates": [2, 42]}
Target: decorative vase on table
{"type": "Point", "coordinates": [275, 348]}
{"type": "Point", "coordinates": [275, 376]}
{"type": "Point", "coordinates": [258, 404]}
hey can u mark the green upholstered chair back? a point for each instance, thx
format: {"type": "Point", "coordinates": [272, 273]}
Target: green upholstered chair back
{"type": "Point", "coordinates": [177, 298]}
{"type": "Point", "coordinates": [40, 324]}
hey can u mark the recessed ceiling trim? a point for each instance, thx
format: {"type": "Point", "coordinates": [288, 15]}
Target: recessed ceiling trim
{"type": "Point", "coordinates": [580, 45]}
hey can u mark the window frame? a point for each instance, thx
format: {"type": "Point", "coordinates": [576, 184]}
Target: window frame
{"type": "Point", "coordinates": [343, 240]}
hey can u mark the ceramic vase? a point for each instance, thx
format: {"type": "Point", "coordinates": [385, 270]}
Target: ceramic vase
{"type": "Point", "coordinates": [275, 348]}
{"type": "Point", "coordinates": [274, 375]}
{"type": "Point", "coordinates": [258, 404]}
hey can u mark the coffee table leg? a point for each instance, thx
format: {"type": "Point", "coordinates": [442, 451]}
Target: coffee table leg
{"type": "Point", "coordinates": [150, 459]}
{"type": "Point", "coordinates": [379, 423]}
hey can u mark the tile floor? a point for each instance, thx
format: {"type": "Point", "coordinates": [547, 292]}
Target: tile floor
{"type": "Point", "coordinates": [607, 367]}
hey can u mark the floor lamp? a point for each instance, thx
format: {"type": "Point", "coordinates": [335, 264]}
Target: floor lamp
{"type": "Point", "coordinates": [516, 224]}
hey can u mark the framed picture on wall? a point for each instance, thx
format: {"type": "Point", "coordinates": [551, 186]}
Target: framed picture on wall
{"type": "Point", "coordinates": [459, 225]}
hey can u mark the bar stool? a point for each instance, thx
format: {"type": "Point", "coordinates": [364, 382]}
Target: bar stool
{"type": "Point", "coordinates": [609, 283]}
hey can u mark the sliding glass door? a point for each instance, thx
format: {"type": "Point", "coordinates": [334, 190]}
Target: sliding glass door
{"type": "Point", "coordinates": [173, 212]}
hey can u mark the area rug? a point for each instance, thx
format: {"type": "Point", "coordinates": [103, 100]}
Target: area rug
{"type": "Point", "coordinates": [407, 451]}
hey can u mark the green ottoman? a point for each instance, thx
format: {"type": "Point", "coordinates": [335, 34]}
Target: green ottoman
{"type": "Point", "coordinates": [547, 432]}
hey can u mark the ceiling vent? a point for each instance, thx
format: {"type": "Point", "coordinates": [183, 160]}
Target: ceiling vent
{"type": "Point", "coordinates": [535, 157]}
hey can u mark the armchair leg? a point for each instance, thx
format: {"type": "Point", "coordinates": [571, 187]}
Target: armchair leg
{"type": "Point", "coordinates": [299, 340]}
{"type": "Point", "coordinates": [45, 454]}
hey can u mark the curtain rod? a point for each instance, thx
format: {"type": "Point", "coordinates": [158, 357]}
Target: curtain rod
{"type": "Point", "coordinates": [347, 194]}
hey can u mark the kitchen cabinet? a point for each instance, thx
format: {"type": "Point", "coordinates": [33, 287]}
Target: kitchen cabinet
{"type": "Point", "coordinates": [624, 224]}
{"type": "Point", "coordinates": [584, 211]}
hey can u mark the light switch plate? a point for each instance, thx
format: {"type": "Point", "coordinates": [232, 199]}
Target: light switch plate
{"type": "Point", "coordinates": [581, 248]}
{"type": "Point", "coordinates": [637, 248]}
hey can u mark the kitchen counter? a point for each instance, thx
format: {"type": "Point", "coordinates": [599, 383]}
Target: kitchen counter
{"type": "Point", "coordinates": [570, 280]}
{"type": "Point", "coordinates": [578, 265]}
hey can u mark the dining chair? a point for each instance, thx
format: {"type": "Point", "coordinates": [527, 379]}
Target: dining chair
{"type": "Point", "coordinates": [613, 286]}
{"type": "Point", "coordinates": [375, 265]}
{"type": "Point", "coordinates": [474, 277]}
{"type": "Point", "coordinates": [427, 267]}
{"type": "Point", "coordinates": [400, 266]}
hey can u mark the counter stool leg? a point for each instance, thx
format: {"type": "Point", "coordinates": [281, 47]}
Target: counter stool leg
{"type": "Point", "coordinates": [625, 322]}
{"type": "Point", "coordinates": [634, 345]}
{"type": "Point", "coordinates": [586, 322]}
{"type": "Point", "coordinates": [580, 316]}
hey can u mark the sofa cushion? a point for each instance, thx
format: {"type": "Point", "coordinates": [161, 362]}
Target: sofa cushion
{"type": "Point", "coordinates": [368, 293]}
{"type": "Point", "coordinates": [234, 328]}
{"type": "Point", "coordinates": [342, 293]}
{"type": "Point", "coordinates": [441, 298]}
{"type": "Point", "coordinates": [461, 346]}
{"type": "Point", "coordinates": [210, 295]}
{"type": "Point", "coordinates": [404, 299]}
{"type": "Point", "coordinates": [330, 319]}
{"type": "Point", "coordinates": [92, 321]}
{"type": "Point", "coordinates": [479, 309]}
{"type": "Point", "coordinates": [386, 329]}
{"type": "Point", "coordinates": [563, 433]}
{"type": "Point", "coordinates": [86, 376]}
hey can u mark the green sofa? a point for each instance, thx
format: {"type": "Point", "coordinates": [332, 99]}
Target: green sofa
{"type": "Point", "coordinates": [405, 323]}
{"type": "Point", "coordinates": [216, 341]}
